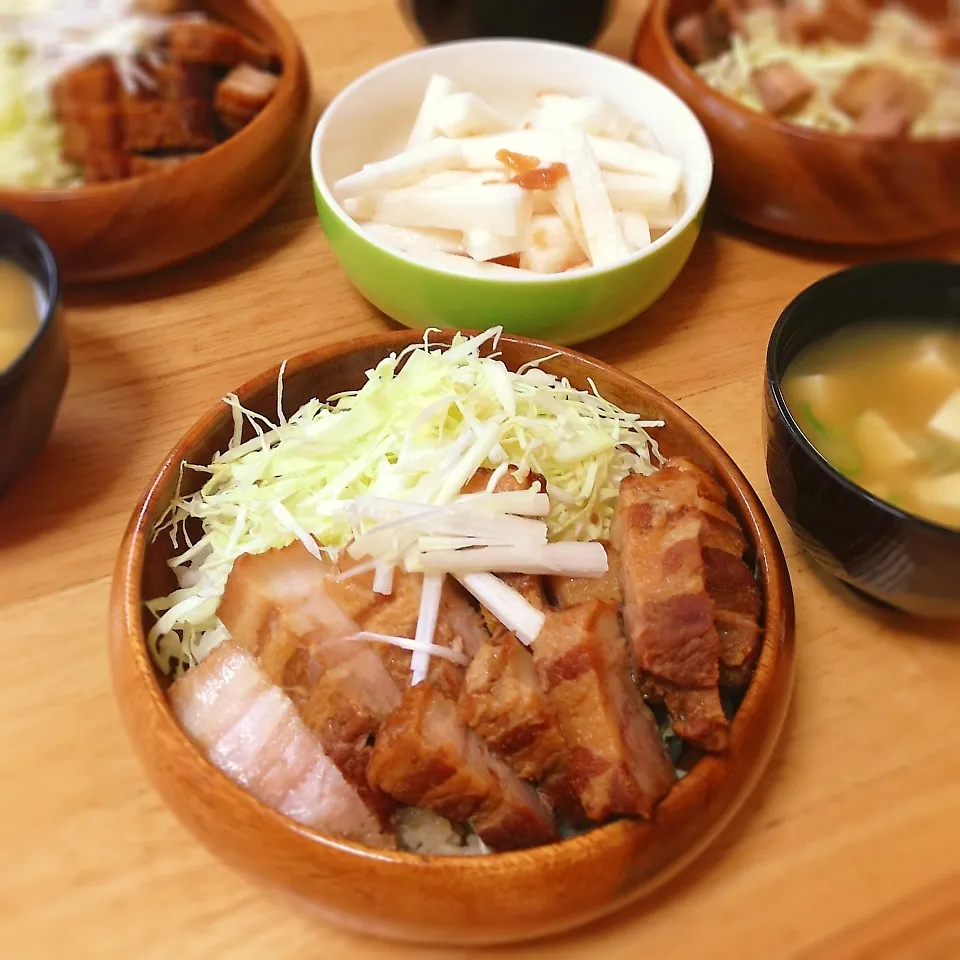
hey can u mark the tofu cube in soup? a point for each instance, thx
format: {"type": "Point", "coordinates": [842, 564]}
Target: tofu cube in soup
{"type": "Point", "coordinates": [946, 421]}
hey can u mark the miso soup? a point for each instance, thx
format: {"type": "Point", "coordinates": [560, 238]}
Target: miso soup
{"type": "Point", "coordinates": [881, 401]}
{"type": "Point", "coordinates": [19, 312]}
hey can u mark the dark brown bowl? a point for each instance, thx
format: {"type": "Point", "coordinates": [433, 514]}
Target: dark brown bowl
{"type": "Point", "coordinates": [452, 900]}
{"type": "Point", "coordinates": [806, 184]}
{"type": "Point", "coordinates": [886, 554]}
{"type": "Point", "coordinates": [131, 227]}
{"type": "Point", "coordinates": [32, 388]}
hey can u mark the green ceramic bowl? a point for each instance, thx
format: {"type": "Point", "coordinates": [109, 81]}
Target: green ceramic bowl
{"type": "Point", "coordinates": [370, 119]}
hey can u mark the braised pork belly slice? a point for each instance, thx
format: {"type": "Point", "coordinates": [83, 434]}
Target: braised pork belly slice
{"type": "Point", "coordinates": [459, 625]}
{"type": "Point", "coordinates": [619, 763]}
{"type": "Point", "coordinates": [667, 612]}
{"type": "Point", "coordinates": [425, 756]}
{"type": "Point", "coordinates": [503, 702]}
{"type": "Point", "coordinates": [530, 586]}
{"type": "Point", "coordinates": [572, 591]}
{"type": "Point", "coordinates": [276, 606]}
{"type": "Point", "coordinates": [250, 730]}
{"type": "Point", "coordinates": [730, 583]}
{"type": "Point", "coordinates": [695, 715]}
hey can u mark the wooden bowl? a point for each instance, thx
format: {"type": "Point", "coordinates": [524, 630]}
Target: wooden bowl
{"type": "Point", "coordinates": [109, 231]}
{"type": "Point", "coordinates": [806, 184]}
{"type": "Point", "coordinates": [451, 900]}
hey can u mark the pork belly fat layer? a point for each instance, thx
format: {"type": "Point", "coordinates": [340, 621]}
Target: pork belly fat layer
{"type": "Point", "coordinates": [667, 612]}
{"type": "Point", "coordinates": [425, 756]}
{"type": "Point", "coordinates": [572, 591]}
{"type": "Point", "coordinates": [618, 761]}
{"type": "Point", "coordinates": [276, 606]}
{"type": "Point", "coordinates": [250, 730]}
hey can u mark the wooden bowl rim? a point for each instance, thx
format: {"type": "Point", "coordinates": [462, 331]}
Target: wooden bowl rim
{"type": "Point", "coordinates": [294, 74]}
{"type": "Point", "coordinates": [657, 20]}
{"type": "Point", "coordinates": [126, 624]}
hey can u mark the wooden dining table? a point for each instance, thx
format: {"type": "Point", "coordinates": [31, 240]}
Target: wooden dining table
{"type": "Point", "coordinates": [850, 846]}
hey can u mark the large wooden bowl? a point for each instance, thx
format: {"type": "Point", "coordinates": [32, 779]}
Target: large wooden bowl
{"type": "Point", "coordinates": [452, 900]}
{"type": "Point", "coordinates": [806, 184]}
{"type": "Point", "coordinates": [109, 231]}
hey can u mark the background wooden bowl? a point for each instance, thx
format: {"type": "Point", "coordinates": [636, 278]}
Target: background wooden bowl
{"type": "Point", "coordinates": [827, 188]}
{"type": "Point", "coordinates": [131, 227]}
{"type": "Point", "coordinates": [453, 900]}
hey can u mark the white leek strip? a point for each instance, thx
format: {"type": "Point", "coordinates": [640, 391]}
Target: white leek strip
{"type": "Point", "coordinates": [513, 610]}
{"type": "Point", "coordinates": [426, 625]}
{"type": "Point", "coordinates": [445, 653]}
{"type": "Point", "coordinates": [563, 559]}
{"type": "Point", "coordinates": [497, 529]}
{"type": "Point", "coordinates": [426, 544]}
{"type": "Point", "coordinates": [286, 520]}
{"type": "Point", "coordinates": [383, 579]}
{"type": "Point", "coordinates": [521, 503]}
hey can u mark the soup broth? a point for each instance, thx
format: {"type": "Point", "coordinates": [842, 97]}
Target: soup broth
{"type": "Point", "coordinates": [19, 312]}
{"type": "Point", "coordinates": [881, 401]}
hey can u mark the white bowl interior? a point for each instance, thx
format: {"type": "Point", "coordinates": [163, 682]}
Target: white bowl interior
{"type": "Point", "coordinates": [371, 118]}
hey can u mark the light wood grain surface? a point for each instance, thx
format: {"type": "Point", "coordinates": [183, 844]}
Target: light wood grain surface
{"type": "Point", "coordinates": [851, 848]}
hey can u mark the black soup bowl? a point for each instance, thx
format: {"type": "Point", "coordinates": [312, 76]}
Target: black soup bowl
{"type": "Point", "coordinates": [31, 388]}
{"type": "Point", "coordinates": [884, 553]}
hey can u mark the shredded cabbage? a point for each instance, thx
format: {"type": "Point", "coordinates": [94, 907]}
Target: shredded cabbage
{"type": "Point", "coordinates": [419, 428]}
{"type": "Point", "coordinates": [899, 40]}
{"type": "Point", "coordinates": [30, 138]}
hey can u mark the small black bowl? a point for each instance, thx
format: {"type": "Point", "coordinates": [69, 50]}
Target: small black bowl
{"type": "Point", "coordinates": [888, 555]}
{"type": "Point", "coordinates": [32, 387]}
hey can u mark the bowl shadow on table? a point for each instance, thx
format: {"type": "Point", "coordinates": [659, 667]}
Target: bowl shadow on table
{"type": "Point", "coordinates": [577, 942]}
{"type": "Point", "coordinates": [945, 246]}
{"type": "Point", "coordinates": [882, 614]}
{"type": "Point", "coordinates": [79, 464]}
{"type": "Point", "coordinates": [290, 216]}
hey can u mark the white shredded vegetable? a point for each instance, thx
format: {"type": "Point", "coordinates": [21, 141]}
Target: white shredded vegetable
{"type": "Point", "coordinates": [360, 464]}
{"type": "Point", "coordinates": [899, 40]}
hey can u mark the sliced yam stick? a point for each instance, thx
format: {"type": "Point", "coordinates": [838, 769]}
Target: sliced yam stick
{"type": "Point", "coordinates": [551, 247]}
{"type": "Point", "coordinates": [503, 209]}
{"type": "Point", "coordinates": [604, 240]}
{"type": "Point", "coordinates": [468, 265]}
{"type": "Point", "coordinates": [634, 193]}
{"type": "Point", "coordinates": [480, 153]}
{"type": "Point", "coordinates": [360, 209]}
{"type": "Point", "coordinates": [462, 178]}
{"type": "Point", "coordinates": [565, 204]}
{"type": "Point", "coordinates": [414, 240]}
{"type": "Point", "coordinates": [425, 125]}
{"type": "Point", "coordinates": [595, 115]}
{"type": "Point", "coordinates": [636, 230]}
{"type": "Point", "coordinates": [484, 245]}
{"type": "Point", "coordinates": [620, 157]}
{"type": "Point", "coordinates": [467, 115]}
{"type": "Point", "coordinates": [402, 170]}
